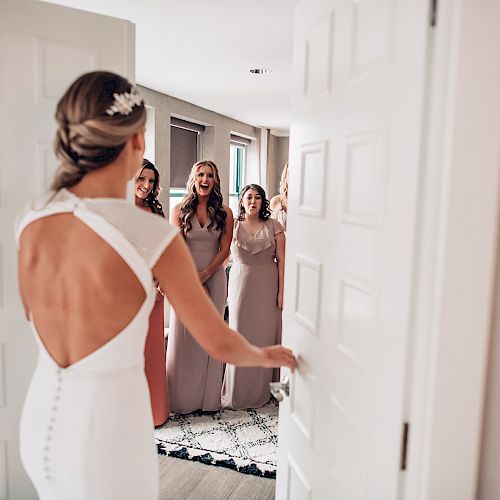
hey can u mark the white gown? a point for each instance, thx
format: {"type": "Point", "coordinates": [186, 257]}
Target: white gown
{"type": "Point", "coordinates": [86, 431]}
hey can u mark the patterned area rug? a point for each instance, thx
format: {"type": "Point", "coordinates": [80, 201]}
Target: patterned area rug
{"type": "Point", "coordinates": [246, 440]}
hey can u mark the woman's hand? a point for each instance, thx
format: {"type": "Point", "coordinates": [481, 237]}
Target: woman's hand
{"type": "Point", "coordinates": [203, 276]}
{"type": "Point", "coordinates": [277, 355]}
{"type": "Point", "coordinates": [280, 300]}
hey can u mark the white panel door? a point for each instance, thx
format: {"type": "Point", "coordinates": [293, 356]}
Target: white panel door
{"type": "Point", "coordinates": [355, 149]}
{"type": "Point", "coordinates": [43, 47]}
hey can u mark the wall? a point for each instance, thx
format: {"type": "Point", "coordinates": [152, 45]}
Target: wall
{"type": "Point", "coordinates": [215, 145]}
{"type": "Point", "coordinates": [489, 477]}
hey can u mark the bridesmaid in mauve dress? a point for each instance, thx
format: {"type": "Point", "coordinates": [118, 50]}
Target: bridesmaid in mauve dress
{"type": "Point", "coordinates": [194, 378]}
{"type": "Point", "coordinates": [147, 183]}
{"type": "Point", "coordinates": [255, 295]}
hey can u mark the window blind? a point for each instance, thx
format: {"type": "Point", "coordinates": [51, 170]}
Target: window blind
{"type": "Point", "coordinates": [183, 155]}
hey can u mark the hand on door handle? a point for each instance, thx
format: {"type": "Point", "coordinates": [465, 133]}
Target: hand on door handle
{"type": "Point", "coordinates": [280, 389]}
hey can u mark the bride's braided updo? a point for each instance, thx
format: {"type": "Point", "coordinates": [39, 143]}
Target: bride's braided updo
{"type": "Point", "coordinates": [92, 126]}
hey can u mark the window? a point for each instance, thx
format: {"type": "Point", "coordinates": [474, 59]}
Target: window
{"type": "Point", "coordinates": [237, 163]}
{"type": "Point", "coordinates": [185, 148]}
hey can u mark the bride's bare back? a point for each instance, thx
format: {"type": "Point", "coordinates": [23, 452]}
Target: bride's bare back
{"type": "Point", "coordinates": [78, 290]}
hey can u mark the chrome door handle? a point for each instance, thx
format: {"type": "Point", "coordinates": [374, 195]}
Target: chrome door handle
{"type": "Point", "coordinates": [280, 389]}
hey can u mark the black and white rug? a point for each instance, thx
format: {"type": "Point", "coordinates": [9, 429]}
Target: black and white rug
{"type": "Point", "coordinates": [246, 440]}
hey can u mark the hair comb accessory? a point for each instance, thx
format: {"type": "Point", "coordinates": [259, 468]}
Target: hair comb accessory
{"type": "Point", "coordinates": [124, 103]}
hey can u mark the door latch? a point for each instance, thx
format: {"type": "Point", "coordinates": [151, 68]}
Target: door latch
{"type": "Point", "coordinates": [280, 389]}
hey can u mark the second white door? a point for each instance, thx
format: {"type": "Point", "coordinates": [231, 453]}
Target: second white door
{"type": "Point", "coordinates": [43, 48]}
{"type": "Point", "coordinates": [355, 151]}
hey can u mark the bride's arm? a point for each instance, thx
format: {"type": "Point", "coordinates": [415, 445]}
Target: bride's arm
{"type": "Point", "coordinates": [179, 280]}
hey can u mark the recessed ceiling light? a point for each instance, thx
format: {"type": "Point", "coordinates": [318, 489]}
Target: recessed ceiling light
{"type": "Point", "coordinates": [260, 71]}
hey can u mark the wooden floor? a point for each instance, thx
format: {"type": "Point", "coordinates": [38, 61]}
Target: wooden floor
{"type": "Point", "coordinates": [188, 480]}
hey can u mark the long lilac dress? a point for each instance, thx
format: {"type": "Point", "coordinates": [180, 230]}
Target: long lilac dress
{"type": "Point", "coordinates": [253, 311]}
{"type": "Point", "coordinates": [194, 378]}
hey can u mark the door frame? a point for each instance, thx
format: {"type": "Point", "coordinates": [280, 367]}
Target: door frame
{"type": "Point", "coordinates": [455, 254]}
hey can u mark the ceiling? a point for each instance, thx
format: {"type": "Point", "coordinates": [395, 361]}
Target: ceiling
{"type": "Point", "coordinates": [201, 51]}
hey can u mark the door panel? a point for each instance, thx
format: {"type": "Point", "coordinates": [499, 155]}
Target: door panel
{"type": "Point", "coordinates": [359, 69]}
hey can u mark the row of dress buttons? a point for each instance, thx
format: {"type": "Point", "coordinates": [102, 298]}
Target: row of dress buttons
{"type": "Point", "coordinates": [50, 426]}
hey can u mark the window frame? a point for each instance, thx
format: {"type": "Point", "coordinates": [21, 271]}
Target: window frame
{"type": "Point", "coordinates": [236, 171]}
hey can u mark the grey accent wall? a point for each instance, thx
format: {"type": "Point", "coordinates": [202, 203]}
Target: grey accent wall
{"type": "Point", "coordinates": [489, 471]}
{"type": "Point", "coordinates": [277, 156]}
{"type": "Point", "coordinates": [216, 137]}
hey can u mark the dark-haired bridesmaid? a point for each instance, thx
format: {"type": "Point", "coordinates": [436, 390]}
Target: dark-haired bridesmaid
{"type": "Point", "coordinates": [255, 294]}
{"type": "Point", "coordinates": [147, 187]}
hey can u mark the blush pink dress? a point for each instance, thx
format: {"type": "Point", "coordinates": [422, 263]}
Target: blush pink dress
{"type": "Point", "coordinates": [155, 363]}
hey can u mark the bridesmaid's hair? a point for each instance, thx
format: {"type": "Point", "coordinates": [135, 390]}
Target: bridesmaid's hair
{"type": "Point", "coordinates": [264, 212]}
{"type": "Point", "coordinates": [95, 118]}
{"type": "Point", "coordinates": [152, 200]}
{"type": "Point", "coordinates": [284, 184]}
{"type": "Point", "coordinates": [215, 210]}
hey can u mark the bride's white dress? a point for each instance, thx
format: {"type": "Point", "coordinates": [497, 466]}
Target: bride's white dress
{"type": "Point", "coordinates": [87, 430]}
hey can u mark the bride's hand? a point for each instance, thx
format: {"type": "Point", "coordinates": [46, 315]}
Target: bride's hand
{"type": "Point", "coordinates": [277, 355]}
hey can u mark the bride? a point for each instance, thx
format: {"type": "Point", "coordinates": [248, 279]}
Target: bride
{"type": "Point", "coordinates": [87, 264]}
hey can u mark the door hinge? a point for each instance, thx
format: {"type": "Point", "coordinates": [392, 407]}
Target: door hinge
{"type": "Point", "coordinates": [404, 445]}
{"type": "Point", "coordinates": [433, 16]}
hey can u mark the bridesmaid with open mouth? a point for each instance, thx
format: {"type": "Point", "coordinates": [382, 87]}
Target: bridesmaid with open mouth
{"type": "Point", "coordinates": [194, 378]}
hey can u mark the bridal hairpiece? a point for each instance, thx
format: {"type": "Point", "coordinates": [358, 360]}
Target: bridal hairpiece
{"type": "Point", "coordinates": [124, 103]}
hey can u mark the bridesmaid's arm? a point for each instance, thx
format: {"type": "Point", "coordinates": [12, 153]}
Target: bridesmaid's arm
{"type": "Point", "coordinates": [275, 203]}
{"type": "Point", "coordinates": [280, 258]}
{"type": "Point", "coordinates": [178, 278]}
{"type": "Point", "coordinates": [224, 247]}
